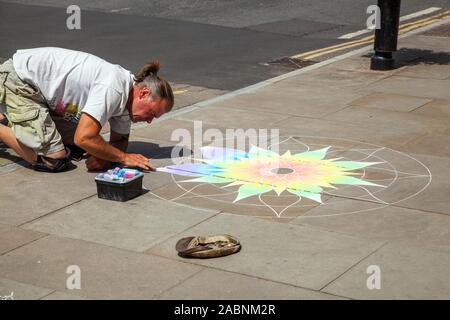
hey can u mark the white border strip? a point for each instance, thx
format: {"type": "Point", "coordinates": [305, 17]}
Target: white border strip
{"type": "Point", "coordinates": [419, 13]}
{"type": "Point", "coordinates": [404, 18]}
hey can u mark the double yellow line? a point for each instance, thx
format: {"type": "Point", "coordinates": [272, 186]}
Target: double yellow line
{"type": "Point", "coordinates": [349, 44]}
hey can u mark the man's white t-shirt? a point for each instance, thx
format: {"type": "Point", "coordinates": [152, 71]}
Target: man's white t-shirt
{"type": "Point", "coordinates": [73, 82]}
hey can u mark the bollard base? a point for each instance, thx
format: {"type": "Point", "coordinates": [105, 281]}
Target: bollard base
{"type": "Point", "coordinates": [382, 61]}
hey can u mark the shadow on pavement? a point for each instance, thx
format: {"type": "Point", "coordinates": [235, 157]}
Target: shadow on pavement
{"type": "Point", "coordinates": [414, 56]}
{"type": "Point", "coordinates": [4, 154]}
{"type": "Point", "coordinates": [155, 151]}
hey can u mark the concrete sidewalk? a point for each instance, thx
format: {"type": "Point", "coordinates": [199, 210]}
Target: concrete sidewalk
{"type": "Point", "coordinates": [399, 118]}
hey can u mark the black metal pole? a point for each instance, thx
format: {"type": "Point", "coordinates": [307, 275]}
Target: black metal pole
{"type": "Point", "coordinates": [386, 36]}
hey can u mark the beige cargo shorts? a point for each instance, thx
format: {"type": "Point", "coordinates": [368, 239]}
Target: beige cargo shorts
{"type": "Point", "coordinates": [29, 115]}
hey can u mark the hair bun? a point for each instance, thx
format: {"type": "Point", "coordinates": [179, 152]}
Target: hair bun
{"type": "Point", "coordinates": [149, 69]}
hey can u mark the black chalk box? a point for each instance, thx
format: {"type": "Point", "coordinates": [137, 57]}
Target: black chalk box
{"type": "Point", "coordinates": [119, 190]}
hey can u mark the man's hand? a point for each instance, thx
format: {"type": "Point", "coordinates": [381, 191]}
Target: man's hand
{"type": "Point", "coordinates": [87, 137]}
{"type": "Point", "coordinates": [137, 160]}
{"type": "Point", "coordinates": [131, 160]}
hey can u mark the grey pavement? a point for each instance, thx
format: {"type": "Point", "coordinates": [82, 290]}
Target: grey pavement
{"type": "Point", "coordinates": [291, 248]}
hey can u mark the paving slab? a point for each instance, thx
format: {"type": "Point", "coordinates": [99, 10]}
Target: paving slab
{"type": "Point", "coordinates": [429, 88]}
{"type": "Point", "coordinates": [15, 290]}
{"type": "Point", "coordinates": [303, 99]}
{"type": "Point", "coordinates": [232, 286]}
{"type": "Point", "coordinates": [391, 102]}
{"type": "Point", "coordinates": [411, 125]}
{"type": "Point", "coordinates": [424, 193]}
{"type": "Point", "coordinates": [380, 222]}
{"type": "Point", "coordinates": [155, 180]}
{"type": "Point", "coordinates": [430, 144]}
{"type": "Point", "coordinates": [426, 42]}
{"type": "Point", "coordinates": [427, 71]}
{"type": "Point", "coordinates": [436, 109]}
{"type": "Point", "coordinates": [135, 225]}
{"type": "Point", "coordinates": [170, 130]}
{"type": "Point", "coordinates": [106, 273]}
{"type": "Point", "coordinates": [406, 273]}
{"type": "Point", "coordinates": [335, 78]}
{"type": "Point", "coordinates": [27, 194]}
{"type": "Point", "coordinates": [296, 255]}
{"type": "Point", "coordinates": [368, 132]}
{"type": "Point", "coordinates": [300, 143]}
{"type": "Point", "coordinates": [12, 237]}
{"type": "Point", "coordinates": [233, 117]}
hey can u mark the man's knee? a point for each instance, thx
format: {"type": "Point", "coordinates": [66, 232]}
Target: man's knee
{"type": "Point", "coordinates": [57, 154]}
{"type": "Point", "coordinates": [53, 162]}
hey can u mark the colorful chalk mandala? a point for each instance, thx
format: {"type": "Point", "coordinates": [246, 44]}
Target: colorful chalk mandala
{"type": "Point", "coordinates": [259, 171]}
{"type": "Point", "coordinates": [300, 176]}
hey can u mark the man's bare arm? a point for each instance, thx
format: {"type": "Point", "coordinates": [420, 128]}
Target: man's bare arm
{"type": "Point", "coordinates": [87, 136]}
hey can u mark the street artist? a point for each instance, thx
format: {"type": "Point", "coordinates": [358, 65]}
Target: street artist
{"type": "Point", "coordinates": [56, 102]}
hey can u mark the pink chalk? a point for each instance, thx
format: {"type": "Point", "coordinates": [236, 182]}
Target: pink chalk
{"type": "Point", "coordinates": [128, 174]}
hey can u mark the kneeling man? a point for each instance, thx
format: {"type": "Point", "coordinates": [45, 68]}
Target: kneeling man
{"type": "Point", "coordinates": [56, 101]}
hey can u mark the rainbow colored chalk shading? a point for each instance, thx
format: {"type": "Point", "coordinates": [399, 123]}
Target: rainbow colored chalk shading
{"type": "Point", "coordinates": [260, 171]}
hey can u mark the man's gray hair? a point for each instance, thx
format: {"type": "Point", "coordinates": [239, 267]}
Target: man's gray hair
{"type": "Point", "coordinates": [150, 82]}
{"type": "Point", "coordinates": [148, 77]}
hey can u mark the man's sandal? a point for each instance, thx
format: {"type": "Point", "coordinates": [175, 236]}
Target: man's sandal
{"type": "Point", "coordinates": [76, 153]}
{"type": "Point", "coordinates": [207, 246]}
{"type": "Point", "coordinates": [52, 165]}
{"type": "Point", "coordinates": [5, 120]}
